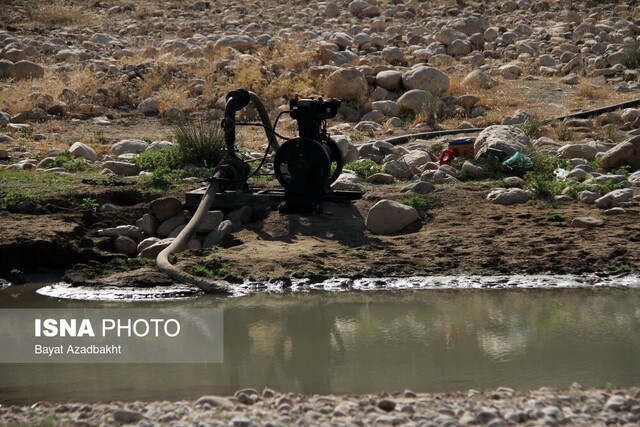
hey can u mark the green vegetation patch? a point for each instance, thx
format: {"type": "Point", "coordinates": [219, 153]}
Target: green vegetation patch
{"type": "Point", "coordinates": [364, 168]}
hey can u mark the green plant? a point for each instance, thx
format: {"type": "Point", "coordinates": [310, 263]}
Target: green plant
{"type": "Point", "coordinates": [201, 141]}
{"type": "Point", "coordinates": [595, 163]}
{"type": "Point", "coordinates": [365, 168]}
{"type": "Point", "coordinates": [13, 198]}
{"type": "Point", "coordinates": [624, 170]}
{"type": "Point", "coordinates": [532, 126]}
{"type": "Point", "coordinates": [601, 188]}
{"type": "Point", "coordinates": [416, 201]}
{"type": "Point", "coordinates": [26, 133]}
{"type": "Point", "coordinates": [564, 133]}
{"type": "Point", "coordinates": [621, 268]}
{"type": "Point", "coordinates": [70, 163]}
{"type": "Point", "coordinates": [162, 178]}
{"type": "Point", "coordinates": [357, 136]}
{"type": "Point", "coordinates": [556, 217]}
{"type": "Point", "coordinates": [90, 204]}
{"type": "Point", "coordinates": [631, 52]}
{"type": "Point", "coordinates": [430, 110]}
{"type": "Point", "coordinates": [611, 133]}
{"type": "Point", "coordinates": [199, 270]}
{"type": "Point", "coordinates": [435, 148]}
{"type": "Point", "coordinates": [540, 180]}
{"type": "Point", "coordinates": [167, 158]}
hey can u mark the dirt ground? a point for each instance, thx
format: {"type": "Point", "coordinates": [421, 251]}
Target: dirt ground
{"type": "Point", "coordinates": [460, 233]}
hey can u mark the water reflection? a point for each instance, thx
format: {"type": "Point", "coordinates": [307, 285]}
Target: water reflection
{"type": "Point", "coordinates": [367, 342]}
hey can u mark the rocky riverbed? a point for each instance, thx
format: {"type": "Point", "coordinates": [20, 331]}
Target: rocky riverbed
{"type": "Point", "coordinates": [504, 406]}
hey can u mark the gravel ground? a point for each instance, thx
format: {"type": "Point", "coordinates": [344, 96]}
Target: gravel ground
{"type": "Point", "coordinates": [545, 406]}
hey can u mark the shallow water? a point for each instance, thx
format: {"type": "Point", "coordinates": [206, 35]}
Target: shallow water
{"type": "Point", "coordinates": [357, 342]}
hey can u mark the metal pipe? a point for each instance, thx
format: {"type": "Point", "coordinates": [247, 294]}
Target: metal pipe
{"type": "Point", "coordinates": [581, 115]}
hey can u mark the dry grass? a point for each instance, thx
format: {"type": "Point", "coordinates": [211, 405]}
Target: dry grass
{"type": "Point", "coordinates": [57, 13]}
{"type": "Point", "coordinates": [16, 98]}
{"type": "Point", "coordinates": [589, 91]}
{"type": "Point", "coordinates": [175, 97]}
{"type": "Point", "coordinates": [455, 85]}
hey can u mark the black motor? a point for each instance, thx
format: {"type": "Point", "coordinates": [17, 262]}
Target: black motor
{"type": "Point", "coordinates": [307, 165]}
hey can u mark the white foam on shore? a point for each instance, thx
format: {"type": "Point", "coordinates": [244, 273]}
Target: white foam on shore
{"type": "Point", "coordinates": [118, 293]}
{"type": "Point", "coordinates": [127, 293]}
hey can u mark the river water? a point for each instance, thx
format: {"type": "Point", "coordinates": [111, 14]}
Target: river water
{"type": "Point", "coordinates": [359, 342]}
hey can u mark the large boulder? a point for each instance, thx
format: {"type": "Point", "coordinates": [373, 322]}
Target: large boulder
{"type": "Point", "coordinates": [121, 168]}
{"type": "Point", "coordinates": [23, 70]}
{"type": "Point", "coordinates": [129, 146]}
{"type": "Point", "coordinates": [614, 198]}
{"type": "Point", "coordinates": [78, 149]}
{"type": "Point", "coordinates": [149, 107]}
{"type": "Point", "coordinates": [426, 78]}
{"type": "Point", "coordinates": [416, 100]}
{"type": "Point", "coordinates": [582, 151]}
{"type": "Point", "coordinates": [346, 84]}
{"type": "Point", "coordinates": [332, 10]}
{"type": "Point", "coordinates": [165, 207]}
{"type": "Point", "coordinates": [238, 42]}
{"type": "Point", "coordinates": [387, 217]}
{"type": "Point", "coordinates": [122, 230]}
{"type": "Point", "coordinates": [6, 68]}
{"type": "Point", "coordinates": [399, 169]}
{"type": "Point", "coordinates": [448, 35]}
{"type": "Point", "coordinates": [388, 108]}
{"type": "Point", "coordinates": [625, 153]}
{"type": "Point", "coordinates": [508, 196]}
{"type": "Point", "coordinates": [504, 138]}
{"type": "Point", "coordinates": [216, 236]}
{"type": "Point", "coordinates": [348, 181]}
{"type": "Point", "coordinates": [479, 80]}
{"type": "Point", "coordinates": [389, 79]}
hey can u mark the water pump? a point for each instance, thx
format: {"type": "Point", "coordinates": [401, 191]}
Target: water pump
{"type": "Point", "coordinates": [305, 165]}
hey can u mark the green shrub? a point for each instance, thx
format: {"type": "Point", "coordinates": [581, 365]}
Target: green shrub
{"type": "Point", "coordinates": [418, 202]}
{"type": "Point", "coordinates": [201, 141]}
{"type": "Point", "coordinates": [612, 133]}
{"type": "Point", "coordinates": [556, 217]}
{"type": "Point", "coordinates": [162, 178]}
{"type": "Point", "coordinates": [70, 163]}
{"type": "Point", "coordinates": [564, 133]}
{"type": "Point", "coordinates": [435, 148]}
{"type": "Point", "coordinates": [13, 198]}
{"type": "Point", "coordinates": [532, 126]}
{"type": "Point", "coordinates": [602, 189]}
{"type": "Point", "coordinates": [199, 270]}
{"type": "Point", "coordinates": [166, 158]}
{"type": "Point", "coordinates": [365, 168]}
{"type": "Point", "coordinates": [541, 180]}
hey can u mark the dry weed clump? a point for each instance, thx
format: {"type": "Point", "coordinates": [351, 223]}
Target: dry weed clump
{"type": "Point", "coordinates": [56, 13]}
{"type": "Point", "coordinates": [25, 95]}
{"type": "Point", "coordinates": [175, 97]}
{"type": "Point", "coordinates": [456, 88]}
{"type": "Point", "coordinates": [591, 91]}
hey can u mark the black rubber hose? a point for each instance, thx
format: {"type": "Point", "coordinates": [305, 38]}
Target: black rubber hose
{"type": "Point", "coordinates": [581, 115]}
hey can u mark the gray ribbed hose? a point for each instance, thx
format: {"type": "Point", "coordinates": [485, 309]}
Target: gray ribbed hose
{"type": "Point", "coordinates": [162, 261]}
